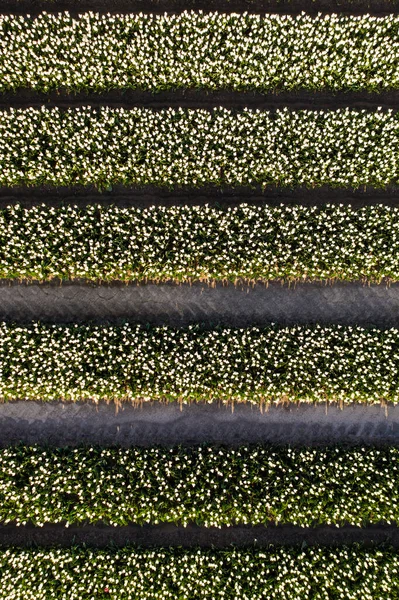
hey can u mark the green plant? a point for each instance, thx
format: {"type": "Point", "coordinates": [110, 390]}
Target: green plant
{"type": "Point", "coordinates": [136, 363]}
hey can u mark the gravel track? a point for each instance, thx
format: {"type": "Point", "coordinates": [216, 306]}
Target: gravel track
{"type": "Point", "coordinates": [74, 424]}
{"type": "Point", "coordinates": [357, 7]}
{"type": "Point", "coordinates": [180, 305]}
{"type": "Point", "coordinates": [193, 536]}
{"type": "Point", "coordinates": [192, 98]}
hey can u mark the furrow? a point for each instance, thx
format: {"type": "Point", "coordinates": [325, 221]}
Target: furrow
{"type": "Point", "coordinates": [73, 424]}
{"type": "Point", "coordinates": [101, 536]}
{"type": "Point", "coordinates": [344, 303]}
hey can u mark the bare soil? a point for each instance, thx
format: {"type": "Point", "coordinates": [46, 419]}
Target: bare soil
{"type": "Point", "coordinates": [143, 197]}
{"type": "Point", "coordinates": [33, 7]}
{"type": "Point", "coordinates": [155, 423]}
{"type": "Point", "coordinates": [179, 305]}
{"type": "Point", "coordinates": [192, 536]}
{"type": "Point", "coordinates": [198, 98]}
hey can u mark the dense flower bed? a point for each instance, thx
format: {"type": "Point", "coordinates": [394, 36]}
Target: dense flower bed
{"type": "Point", "coordinates": [238, 51]}
{"type": "Point", "coordinates": [346, 573]}
{"type": "Point", "coordinates": [186, 243]}
{"type": "Point", "coordinates": [211, 486]}
{"type": "Point", "coordinates": [49, 362]}
{"type": "Point", "coordinates": [198, 147]}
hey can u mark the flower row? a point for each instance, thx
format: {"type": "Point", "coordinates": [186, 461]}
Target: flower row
{"type": "Point", "coordinates": [132, 362]}
{"type": "Point", "coordinates": [197, 147]}
{"type": "Point", "coordinates": [191, 50]}
{"type": "Point", "coordinates": [210, 486]}
{"type": "Point", "coordinates": [186, 243]}
{"type": "Point", "coordinates": [343, 573]}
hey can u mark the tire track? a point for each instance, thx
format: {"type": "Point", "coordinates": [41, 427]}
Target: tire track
{"type": "Point", "coordinates": [80, 423]}
{"type": "Point", "coordinates": [345, 303]}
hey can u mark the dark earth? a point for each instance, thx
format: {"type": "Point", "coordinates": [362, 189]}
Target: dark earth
{"type": "Point", "coordinates": [192, 536]}
{"type": "Point", "coordinates": [179, 305]}
{"type": "Point", "coordinates": [354, 7]}
{"type": "Point", "coordinates": [207, 99]}
{"type": "Point", "coordinates": [169, 424]}
{"type": "Point", "coordinates": [143, 197]}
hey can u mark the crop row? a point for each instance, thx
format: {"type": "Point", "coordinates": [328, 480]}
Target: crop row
{"type": "Point", "coordinates": [197, 147]}
{"type": "Point", "coordinates": [306, 363]}
{"type": "Point", "coordinates": [345, 573]}
{"type": "Point", "coordinates": [191, 50]}
{"type": "Point", "coordinates": [210, 486]}
{"type": "Point", "coordinates": [186, 243]}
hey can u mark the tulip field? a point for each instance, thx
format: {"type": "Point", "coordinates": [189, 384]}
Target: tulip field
{"type": "Point", "coordinates": [103, 105]}
{"type": "Point", "coordinates": [186, 243]}
{"type": "Point", "coordinates": [136, 574]}
{"type": "Point", "coordinates": [197, 147]}
{"type": "Point", "coordinates": [242, 51]}
{"type": "Point", "coordinates": [209, 486]}
{"type": "Point", "coordinates": [259, 366]}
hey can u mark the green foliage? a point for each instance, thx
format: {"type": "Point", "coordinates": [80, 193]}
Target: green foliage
{"type": "Point", "coordinates": [103, 52]}
{"type": "Point", "coordinates": [196, 147]}
{"type": "Point", "coordinates": [196, 50]}
{"type": "Point", "coordinates": [187, 243]}
{"type": "Point", "coordinates": [346, 573]}
{"type": "Point", "coordinates": [211, 486]}
{"type": "Point", "coordinates": [300, 363]}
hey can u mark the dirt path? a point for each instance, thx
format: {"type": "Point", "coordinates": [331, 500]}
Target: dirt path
{"type": "Point", "coordinates": [312, 100]}
{"type": "Point", "coordinates": [179, 305]}
{"type": "Point", "coordinates": [60, 424]}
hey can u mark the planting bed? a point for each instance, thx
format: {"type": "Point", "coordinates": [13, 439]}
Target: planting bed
{"type": "Point", "coordinates": [137, 574]}
{"type": "Point", "coordinates": [100, 52]}
{"type": "Point", "coordinates": [136, 363]}
{"type": "Point", "coordinates": [180, 147]}
{"type": "Point", "coordinates": [189, 243]}
{"type": "Point", "coordinates": [210, 486]}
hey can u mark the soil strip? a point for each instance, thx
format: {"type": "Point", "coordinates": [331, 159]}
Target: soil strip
{"type": "Point", "coordinates": [58, 424]}
{"type": "Point", "coordinates": [192, 98]}
{"type": "Point", "coordinates": [192, 536]}
{"type": "Point", "coordinates": [228, 197]}
{"type": "Point", "coordinates": [355, 7]}
{"type": "Point", "coordinates": [241, 305]}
